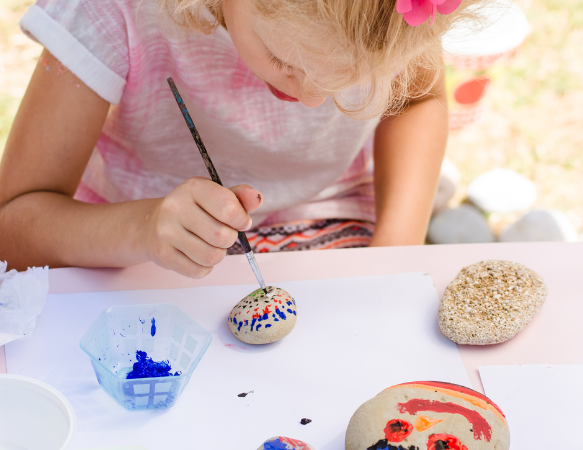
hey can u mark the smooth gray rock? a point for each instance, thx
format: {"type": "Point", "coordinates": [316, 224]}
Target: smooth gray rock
{"type": "Point", "coordinates": [541, 225]}
{"type": "Point", "coordinates": [461, 225]}
{"type": "Point", "coordinates": [449, 180]}
{"type": "Point", "coordinates": [502, 190]}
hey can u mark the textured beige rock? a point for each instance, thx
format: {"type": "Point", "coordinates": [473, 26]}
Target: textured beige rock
{"type": "Point", "coordinates": [261, 318]}
{"type": "Point", "coordinates": [428, 415]}
{"type": "Point", "coordinates": [490, 302]}
{"type": "Point", "coordinates": [284, 443]}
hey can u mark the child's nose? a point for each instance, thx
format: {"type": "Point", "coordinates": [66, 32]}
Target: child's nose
{"type": "Point", "coordinates": [297, 92]}
{"type": "Point", "coordinates": [311, 102]}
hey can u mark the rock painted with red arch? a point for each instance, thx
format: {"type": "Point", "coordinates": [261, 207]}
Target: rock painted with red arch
{"type": "Point", "coordinates": [284, 443]}
{"type": "Point", "coordinates": [428, 415]}
{"type": "Point", "coordinates": [262, 318]}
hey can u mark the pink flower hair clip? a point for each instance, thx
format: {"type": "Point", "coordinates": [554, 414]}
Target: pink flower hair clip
{"type": "Point", "coordinates": [415, 12]}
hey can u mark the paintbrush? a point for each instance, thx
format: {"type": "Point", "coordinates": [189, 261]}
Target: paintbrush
{"type": "Point", "coordinates": [215, 177]}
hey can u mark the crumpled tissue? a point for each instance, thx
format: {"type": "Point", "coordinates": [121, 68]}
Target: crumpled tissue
{"type": "Point", "coordinates": [22, 297]}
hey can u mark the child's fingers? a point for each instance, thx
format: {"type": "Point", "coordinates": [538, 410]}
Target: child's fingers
{"type": "Point", "coordinates": [197, 221]}
{"type": "Point", "coordinates": [197, 250]}
{"type": "Point", "coordinates": [219, 202]}
{"type": "Point", "coordinates": [250, 198]}
{"type": "Point", "coordinates": [188, 254]}
{"type": "Point", "coordinates": [182, 264]}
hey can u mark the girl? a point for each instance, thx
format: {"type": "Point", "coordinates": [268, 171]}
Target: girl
{"type": "Point", "coordinates": [100, 170]}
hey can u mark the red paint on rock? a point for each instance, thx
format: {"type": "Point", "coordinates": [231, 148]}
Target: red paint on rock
{"type": "Point", "coordinates": [295, 443]}
{"type": "Point", "coordinates": [444, 441]}
{"type": "Point", "coordinates": [480, 425]}
{"type": "Point", "coordinates": [458, 388]}
{"type": "Point", "coordinates": [397, 430]}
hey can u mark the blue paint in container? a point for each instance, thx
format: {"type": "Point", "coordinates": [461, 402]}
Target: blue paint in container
{"type": "Point", "coordinates": [145, 367]}
{"type": "Point", "coordinates": [156, 382]}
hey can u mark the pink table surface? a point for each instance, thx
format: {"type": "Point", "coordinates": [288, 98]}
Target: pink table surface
{"type": "Point", "coordinates": [554, 336]}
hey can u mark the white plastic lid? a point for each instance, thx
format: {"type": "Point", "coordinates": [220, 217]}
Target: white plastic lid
{"type": "Point", "coordinates": [33, 415]}
{"type": "Point", "coordinates": [502, 27]}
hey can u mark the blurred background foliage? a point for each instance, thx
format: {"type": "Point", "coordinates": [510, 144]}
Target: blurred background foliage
{"type": "Point", "coordinates": [534, 118]}
{"type": "Point", "coordinates": [533, 123]}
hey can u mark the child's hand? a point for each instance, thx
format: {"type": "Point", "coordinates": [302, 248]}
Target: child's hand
{"type": "Point", "coordinates": [190, 229]}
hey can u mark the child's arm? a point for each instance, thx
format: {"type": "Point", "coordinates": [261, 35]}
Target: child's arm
{"type": "Point", "coordinates": [408, 151]}
{"type": "Point", "coordinates": [53, 135]}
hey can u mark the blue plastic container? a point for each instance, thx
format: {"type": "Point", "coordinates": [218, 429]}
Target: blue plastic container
{"type": "Point", "coordinates": [118, 332]}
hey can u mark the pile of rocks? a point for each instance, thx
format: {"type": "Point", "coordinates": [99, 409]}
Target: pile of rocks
{"type": "Point", "coordinates": [498, 191]}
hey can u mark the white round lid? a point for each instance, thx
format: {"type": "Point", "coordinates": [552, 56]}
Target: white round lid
{"type": "Point", "coordinates": [502, 26]}
{"type": "Point", "coordinates": [33, 415]}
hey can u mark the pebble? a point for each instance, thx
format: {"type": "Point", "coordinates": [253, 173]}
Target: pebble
{"type": "Point", "coordinates": [284, 443]}
{"type": "Point", "coordinates": [541, 225]}
{"type": "Point", "coordinates": [461, 225]}
{"type": "Point", "coordinates": [502, 190]}
{"type": "Point", "coordinates": [490, 302]}
{"type": "Point", "coordinates": [261, 318]}
{"type": "Point", "coordinates": [428, 415]}
{"type": "Point", "coordinates": [449, 180]}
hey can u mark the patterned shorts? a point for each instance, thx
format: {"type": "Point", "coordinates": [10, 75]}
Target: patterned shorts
{"type": "Point", "coordinates": [308, 235]}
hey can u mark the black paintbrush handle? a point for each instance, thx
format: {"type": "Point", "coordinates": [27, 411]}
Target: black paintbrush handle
{"type": "Point", "coordinates": [202, 149]}
{"type": "Point", "coordinates": [244, 242]}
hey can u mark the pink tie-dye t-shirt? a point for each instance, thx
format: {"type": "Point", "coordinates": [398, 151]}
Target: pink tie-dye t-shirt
{"type": "Point", "coordinates": [309, 163]}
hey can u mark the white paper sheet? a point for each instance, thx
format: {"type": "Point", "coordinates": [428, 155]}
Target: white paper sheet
{"type": "Point", "coordinates": [541, 401]}
{"type": "Point", "coordinates": [353, 338]}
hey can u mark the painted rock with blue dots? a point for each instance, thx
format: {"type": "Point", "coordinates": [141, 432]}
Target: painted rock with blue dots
{"type": "Point", "coordinates": [262, 318]}
{"type": "Point", "coordinates": [284, 443]}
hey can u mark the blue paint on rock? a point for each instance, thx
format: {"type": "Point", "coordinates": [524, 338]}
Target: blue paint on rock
{"type": "Point", "coordinates": [276, 444]}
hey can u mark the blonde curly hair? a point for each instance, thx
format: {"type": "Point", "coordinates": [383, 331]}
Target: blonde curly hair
{"type": "Point", "coordinates": [365, 43]}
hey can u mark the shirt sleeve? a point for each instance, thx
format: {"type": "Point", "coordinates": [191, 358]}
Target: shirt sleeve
{"type": "Point", "coordinates": [89, 37]}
